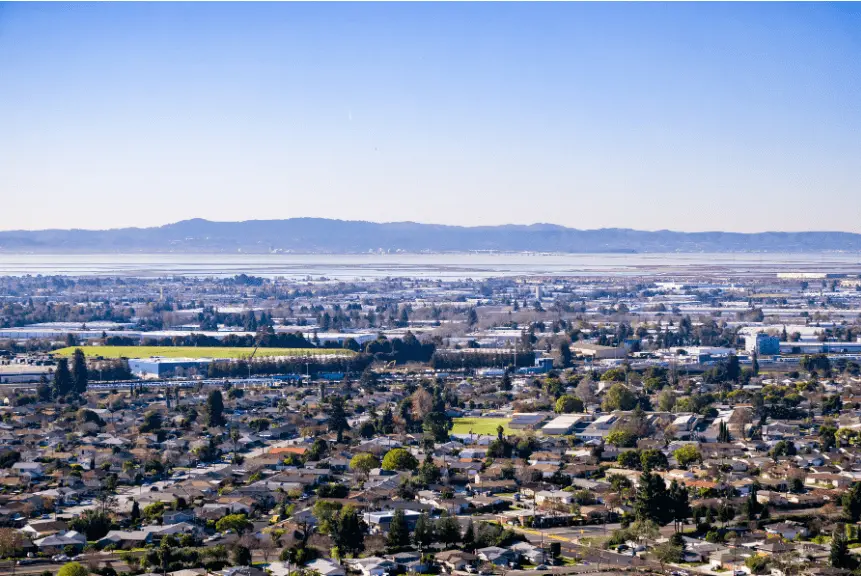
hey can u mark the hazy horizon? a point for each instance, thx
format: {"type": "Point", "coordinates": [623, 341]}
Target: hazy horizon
{"type": "Point", "coordinates": [704, 231]}
{"type": "Point", "coordinates": [689, 117]}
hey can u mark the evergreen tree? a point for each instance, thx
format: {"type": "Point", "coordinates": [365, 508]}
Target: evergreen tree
{"type": "Point", "coordinates": [428, 471]}
{"type": "Point", "coordinates": [136, 512]}
{"type": "Point", "coordinates": [469, 538]}
{"type": "Point", "coordinates": [348, 531]}
{"type": "Point", "coordinates": [399, 533]}
{"type": "Point", "coordinates": [423, 536]}
{"type": "Point", "coordinates": [338, 417]}
{"type": "Point", "coordinates": [43, 390]}
{"type": "Point", "coordinates": [241, 556]}
{"type": "Point", "coordinates": [448, 530]}
{"type": "Point", "coordinates": [840, 557]}
{"type": "Point", "coordinates": [723, 433]}
{"type": "Point", "coordinates": [680, 503]}
{"type": "Point", "coordinates": [62, 383]}
{"type": "Point", "coordinates": [79, 372]}
{"type": "Point", "coordinates": [852, 503]}
{"type": "Point", "coordinates": [471, 317]}
{"type": "Point", "coordinates": [215, 409]}
{"type": "Point", "coordinates": [652, 502]}
{"type": "Point", "coordinates": [387, 422]}
{"type": "Point", "coordinates": [733, 368]}
{"type": "Point", "coordinates": [751, 506]}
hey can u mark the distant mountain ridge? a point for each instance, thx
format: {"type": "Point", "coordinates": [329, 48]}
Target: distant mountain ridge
{"type": "Point", "coordinates": [321, 235]}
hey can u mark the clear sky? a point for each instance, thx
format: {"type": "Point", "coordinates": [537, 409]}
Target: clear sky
{"type": "Point", "coordinates": [738, 117]}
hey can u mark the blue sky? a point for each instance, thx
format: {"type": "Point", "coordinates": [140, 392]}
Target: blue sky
{"type": "Point", "coordinates": [739, 117]}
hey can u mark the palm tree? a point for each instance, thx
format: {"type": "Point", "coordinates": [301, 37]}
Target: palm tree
{"type": "Point", "coordinates": [234, 437]}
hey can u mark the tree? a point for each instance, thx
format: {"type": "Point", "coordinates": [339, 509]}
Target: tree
{"type": "Point", "coordinates": [428, 471]}
{"type": "Point", "coordinates": [215, 409]}
{"type": "Point", "coordinates": [757, 564]}
{"type": "Point", "coordinates": [619, 397]}
{"type": "Point", "coordinates": [733, 368]}
{"type": "Point", "coordinates": [79, 372]}
{"type": "Point", "coordinates": [399, 459]}
{"type": "Point", "coordinates": [567, 404]}
{"type": "Point", "coordinates": [471, 317]}
{"type": "Point", "coordinates": [73, 569]}
{"type": "Point", "coordinates": [652, 502]}
{"type": "Point", "coordinates": [642, 530]}
{"type": "Point", "coordinates": [338, 417]}
{"type": "Point", "coordinates": [666, 400]}
{"type": "Point", "coordinates": [839, 556]}
{"type": "Point", "coordinates": [723, 433]}
{"type": "Point", "coordinates": [585, 390]}
{"type": "Point", "coordinates": [421, 403]}
{"type": "Point", "coordinates": [235, 436]}
{"type": "Point", "coordinates": [151, 422]}
{"type": "Point", "coordinates": [629, 459]}
{"type": "Point", "coordinates": [621, 438]}
{"type": "Point", "coordinates": [851, 501]}
{"type": "Point", "coordinates": [239, 523]}
{"type": "Point", "coordinates": [687, 454]}
{"type": "Point", "coordinates": [135, 513]}
{"type": "Point", "coordinates": [437, 426]}
{"type": "Point", "coordinates": [62, 383]}
{"type": "Point", "coordinates": [668, 553]}
{"type": "Point", "coordinates": [240, 556]}
{"type": "Point", "coordinates": [94, 523]}
{"type": "Point", "coordinates": [564, 355]}
{"type": "Point", "coordinates": [783, 448]}
{"type": "Point", "coordinates": [399, 533]}
{"type": "Point", "coordinates": [11, 542]}
{"type": "Point", "coordinates": [448, 530]}
{"type": "Point", "coordinates": [726, 513]}
{"type": "Point", "coordinates": [653, 459]}
{"type": "Point", "coordinates": [505, 384]}
{"type": "Point", "coordinates": [363, 463]}
{"type": "Point", "coordinates": [679, 503]}
{"type": "Point", "coordinates": [424, 534]}
{"type": "Point", "coordinates": [348, 531]}
{"type": "Point", "coordinates": [469, 537]}
{"type": "Point", "coordinates": [827, 437]}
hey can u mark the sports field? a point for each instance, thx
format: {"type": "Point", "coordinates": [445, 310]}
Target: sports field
{"type": "Point", "coordinates": [486, 426]}
{"type": "Point", "coordinates": [196, 351]}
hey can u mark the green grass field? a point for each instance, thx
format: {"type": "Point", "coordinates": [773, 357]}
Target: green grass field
{"type": "Point", "coordinates": [486, 426]}
{"type": "Point", "coordinates": [194, 351]}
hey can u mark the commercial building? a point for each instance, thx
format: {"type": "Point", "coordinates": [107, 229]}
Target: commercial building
{"type": "Point", "coordinates": [762, 344]}
{"type": "Point", "coordinates": [598, 352]}
{"type": "Point", "coordinates": [168, 367]}
{"type": "Point", "coordinates": [820, 347]}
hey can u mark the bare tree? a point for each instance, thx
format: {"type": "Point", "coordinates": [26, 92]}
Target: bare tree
{"type": "Point", "coordinates": [11, 543]}
{"type": "Point", "coordinates": [585, 390]}
{"type": "Point", "coordinates": [266, 547]}
{"type": "Point", "coordinates": [422, 403]}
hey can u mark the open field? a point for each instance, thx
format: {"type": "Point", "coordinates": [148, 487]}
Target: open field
{"type": "Point", "coordinates": [195, 351]}
{"type": "Point", "coordinates": [485, 426]}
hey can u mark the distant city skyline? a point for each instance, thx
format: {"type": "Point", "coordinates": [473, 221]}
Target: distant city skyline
{"type": "Point", "coordinates": [678, 116]}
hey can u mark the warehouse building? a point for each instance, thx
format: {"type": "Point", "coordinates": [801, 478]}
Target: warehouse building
{"type": "Point", "coordinates": [169, 367]}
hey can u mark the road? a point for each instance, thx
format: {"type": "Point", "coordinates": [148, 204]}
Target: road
{"type": "Point", "coordinates": [99, 559]}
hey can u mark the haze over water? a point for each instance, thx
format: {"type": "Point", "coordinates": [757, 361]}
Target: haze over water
{"type": "Point", "coordinates": [442, 266]}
